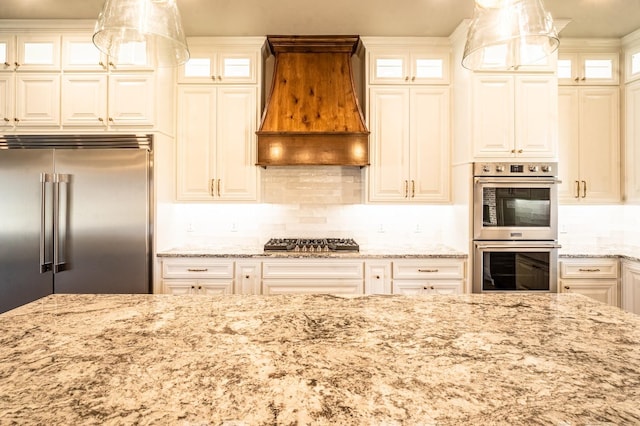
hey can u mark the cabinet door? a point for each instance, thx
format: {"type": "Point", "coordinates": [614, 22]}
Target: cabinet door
{"type": "Point", "coordinates": [80, 54]}
{"type": "Point", "coordinates": [84, 99]}
{"type": "Point", "coordinates": [201, 66]}
{"type": "Point", "coordinates": [210, 287]}
{"type": "Point", "coordinates": [131, 99]}
{"type": "Point", "coordinates": [38, 52]}
{"type": "Point", "coordinates": [414, 287]}
{"type": "Point", "coordinates": [377, 277]}
{"type": "Point", "coordinates": [7, 84]}
{"type": "Point", "coordinates": [7, 52]}
{"type": "Point", "coordinates": [588, 68]}
{"type": "Point", "coordinates": [430, 144]}
{"type": "Point", "coordinates": [236, 172]}
{"type": "Point", "coordinates": [429, 67]}
{"type": "Point", "coordinates": [388, 175]}
{"type": "Point", "coordinates": [536, 116]}
{"type": "Point", "coordinates": [569, 145]}
{"type": "Point", "coordinates": [37, 99]}
{"type": "Point", "coordinates": [248, 277]}
{"type": "Point", "coordinates": [630, 297]}
{"type": "Point", "coordinates": [605, 291]}
{"type": "Point", "coordinates": [237, 66]}
{"type": "Point", "coordinates": [632, 141]}
{"type": "Point", "coordinates": [389, 67]}
{"type": "Point", "coordinates": [196, 130]}
{"type": "Point", "coordinates": [599, 155]}
{"type": "Point", "coordinates": [493, 116]}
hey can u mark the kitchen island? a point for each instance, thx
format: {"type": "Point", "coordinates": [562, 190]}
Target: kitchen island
{"type": "Point", "coordinates": [319, 359]}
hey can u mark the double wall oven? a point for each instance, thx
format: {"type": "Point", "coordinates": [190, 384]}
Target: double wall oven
{"type": "Point", "coordinates": [515, 227]}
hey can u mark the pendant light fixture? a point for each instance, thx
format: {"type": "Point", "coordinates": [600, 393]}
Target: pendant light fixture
{"type": "Point", "coordinates": [155, 22]}
{"type": "Point", "coordinates": [505, 34]}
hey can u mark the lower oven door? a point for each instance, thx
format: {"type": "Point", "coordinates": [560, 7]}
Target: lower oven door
{"type": "Point", "coordinates": [515, 266]}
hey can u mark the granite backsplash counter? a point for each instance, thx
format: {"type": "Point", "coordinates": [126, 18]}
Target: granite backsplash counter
{"type": "Point", "coordinates": [600, 250]}
{"type": "Point", "coordinates": [553, 359]}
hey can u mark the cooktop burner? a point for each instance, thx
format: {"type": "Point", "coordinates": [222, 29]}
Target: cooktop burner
{"type": "Point", "coordinates": [311, 245]}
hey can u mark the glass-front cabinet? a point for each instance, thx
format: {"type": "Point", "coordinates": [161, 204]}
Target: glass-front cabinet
{"type": "Point", "coordinates": [223, 63]}
{"type": "Point", "coordinates": [40, 52]}
{"type": "Point", "coordinates": [404, 66]}
{"type": "Point", "coordinates": [588, 68]}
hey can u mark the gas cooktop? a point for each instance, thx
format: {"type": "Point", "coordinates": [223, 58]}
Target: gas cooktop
{"type": "Point", "coordinates": [311, 245]}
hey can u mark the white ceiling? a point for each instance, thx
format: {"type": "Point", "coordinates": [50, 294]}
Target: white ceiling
{"type": "Point", "coordinates": [589, 18]}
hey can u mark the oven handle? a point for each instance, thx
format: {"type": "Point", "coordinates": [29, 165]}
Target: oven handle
{"type": "Point", "coordinates": [517, 245]}
{"type": "Point", "coordinates": [518, 180]}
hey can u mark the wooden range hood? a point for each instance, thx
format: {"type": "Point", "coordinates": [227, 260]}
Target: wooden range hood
{"type": "Point", "coordinates": [312, 116]}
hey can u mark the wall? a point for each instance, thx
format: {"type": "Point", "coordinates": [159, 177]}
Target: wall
{"type": "Point", "coordinates": [320, 201]}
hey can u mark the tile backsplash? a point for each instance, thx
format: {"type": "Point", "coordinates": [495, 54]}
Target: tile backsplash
{"type": "Point", "coordinates": [319, 201]}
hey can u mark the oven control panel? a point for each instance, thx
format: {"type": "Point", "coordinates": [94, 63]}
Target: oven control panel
{"type": "Point", "coordinates": [515, 169]}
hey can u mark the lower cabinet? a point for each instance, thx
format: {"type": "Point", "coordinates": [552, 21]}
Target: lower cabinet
{"type": "Point", "coordinates": [308, 276]}
{"type": "Point", "coordinates": [593, 277]}
{"type": "Point", "coordinates": [631, 286]}
{"type": "Point", "coordinates": [428, 276]}
{"type": "Point", "coordinates": [334, 276]}
{"type": "Point", "coordinates": [197, 276]}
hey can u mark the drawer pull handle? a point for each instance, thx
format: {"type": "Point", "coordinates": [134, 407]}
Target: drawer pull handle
{"type": "Point", "coordinates": [428, 270]}
{"type": "Point", "coordinates": [589, 270]}
{"type": "Point", "coordinates": [197, 269]}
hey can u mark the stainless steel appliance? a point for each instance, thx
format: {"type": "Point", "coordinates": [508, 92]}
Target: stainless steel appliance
{"type": "Point", "coordinates": [75, 215]}
{"type": "Point", "coordinates": [311, 245]}
{"type": "Point", "coordinates": [515, 227]}
{"type": "Point", "coordinates": [515, 201]}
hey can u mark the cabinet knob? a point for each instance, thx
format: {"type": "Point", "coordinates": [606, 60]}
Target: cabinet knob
{"type": "Point", "coordinates": [111, 119]}
{"type": "Point", "coordinates": [16, 64]}
{"type": "Point", "coordinates": [100, 119]}
{"type": "Point", "coordinates": [102, 64]}
{"type": "Point", "coordinates": [406, 78]}
{"type": "Point", "coordinates": [6, 119]}
{"type": "Point", "coordinates": [583, 78]}
{"type": "Point", "coordinates": [112, 65]}
{"type": "Point", "coordinates": [566, 287]}
{"type": "Point", "coordinates": [413, 78]}
{"type": "Point", "coordinates": [7, 64]}
{"type": "Point", "coordinates": [377, 277]}
{"type": "Point", "coordinates": [16, 119]}
{"type": "Point", "coordinates": [247, 277]}
{"type": "Point", "coordinates": [520, 151]}
{"type": "Point", "coordinates": [199, 287]}
{"type": "Point", "coordinates": [576, 79]}
{"type": "Point", "coordinates": [513, 151]}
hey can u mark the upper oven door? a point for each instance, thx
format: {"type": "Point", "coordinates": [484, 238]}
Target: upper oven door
{"type": "Point", "coordinates": [515, 208]}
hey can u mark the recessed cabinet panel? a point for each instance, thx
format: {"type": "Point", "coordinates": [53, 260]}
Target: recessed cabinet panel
{"type": "Point", "coordinates": [38, 99]}
{"type": "Point", "coordinates": [493, 116]}
{"type": "Point", "coordinates": [41, 52]}
{"type": "Point", "coordinates": [7, 84]}
{"type": "Point", "coordinates": [220, 65]}
{"type": "Point", "coordinates": [80, 54]}
{"type": "Point", "coordinates": [84, 99]}
{"type": "Point", "coordinates": [408, 66]}
{"type": "Point", "coordinates": [131, 99]}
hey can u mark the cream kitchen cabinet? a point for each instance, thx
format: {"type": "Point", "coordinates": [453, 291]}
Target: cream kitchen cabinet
{"type": "Point", "coordinates": [222, 60]}
{"type": "Point", "coordinates": [589, 155]}
{"type": "Point", "coordinates": [108, 100]}
{"type": "Point", "coordinates": [29, 99]}
{"type": "Point", "coordinates": [29, 83]}
{"type": "Point", "coordinates": [216, 143]}
{"type": "Point", "coordinates": [630, 297]}
{"type": "Point", "coordinates": [302, 275]}
{"type": "Point", "coordinates": [248, 276]}
{"type": "Point", "coordinates": [409, 65]}
{"type": "Point", "coordinates": [29, 52]}
{"type": "Point", "coordinates": [593, 277]}
{"type": "Point", "coordinates": [197, 276]}
{"type": "Point", "coordinates": [514, 116]}
{"type": "Point", "coordinates": [588, 68]}
{"type": "Point", "coordinates": [410, 144]}
{"type": "Point", "coordinates": [428, 276]}
{"type": "Point", "coordinates": [377, 276]}
{"type": "Point", "coordinates": [632, 142]}
{"type": "Point", "coordinates": [81, 55]}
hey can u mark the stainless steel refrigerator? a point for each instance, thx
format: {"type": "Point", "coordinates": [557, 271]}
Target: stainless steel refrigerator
{"type": "Point", "coordinates": [75, 215]}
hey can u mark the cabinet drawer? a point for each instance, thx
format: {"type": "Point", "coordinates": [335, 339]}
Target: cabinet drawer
{"type": "Point", "coordinates": [589, 268]}
{"type": "Point", "coordinates": [197, 268]}
{"type": "Point", "coordinates": [312, 286]}
{"type": "Point", "coordinates": [428, 269]}
{"type": "Point", "coordinates": [313, 269]}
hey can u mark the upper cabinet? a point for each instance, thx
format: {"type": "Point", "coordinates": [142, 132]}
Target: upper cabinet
{"type": "Point", "coordinates": [80, 54]}
{"type": "Point", "coordinates": [30, 52]}
{"type": "Point", "coordinates": [409, 66]}
{"type": "Point", "coordinates": [410, 126]}
{"type": "Point", "coordinates": [588, 68]}
{"type": "Point", "coordinates": [514, 115]}
{"type": "Point", "coordinates": [220, 61]}
{"type": "Point", "coordinates": [216, 121]}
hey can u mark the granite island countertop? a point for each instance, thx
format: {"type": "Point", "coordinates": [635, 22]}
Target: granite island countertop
{"type": "Point", "coordinates": [557, 359]}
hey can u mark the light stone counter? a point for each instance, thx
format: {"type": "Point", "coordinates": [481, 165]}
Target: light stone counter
{"type": "Point", "coordinates": [319, 360]}
{"type": "Point", "coordinates": [399, 251]}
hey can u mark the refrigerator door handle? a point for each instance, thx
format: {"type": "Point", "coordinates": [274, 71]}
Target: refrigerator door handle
{"type": "Point", "coordinates": [61, 219]}
{"type": "Point", "coordinates": [46, 263]}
